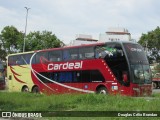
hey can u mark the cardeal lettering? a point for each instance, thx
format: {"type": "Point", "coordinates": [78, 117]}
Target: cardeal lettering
{"type": "Point", "coordinates": [65, 66]}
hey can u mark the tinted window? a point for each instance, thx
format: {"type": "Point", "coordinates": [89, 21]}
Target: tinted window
{"type": "Point", "coordinates": [10, 60]}
{"type": "Point", "coordinates": [76, 76]}
{"type": "Point", "coordinates": [47, 75]}
{"type": "Point", "coordinates": [65, 77]}
{"type": "Point", "coordinates": [55, 56]}
{"type": "Point", "coordinates": [86, 52]}
{"type": "Point", "coordinates": [62, 77]}
{"type": "Point", "coordinates": [109, 51]}
{"type": "Point", "coordinates": [70, 54]}
{"type": "Point", "coordinates": [135, 53]}
{"type": "Point", "coordinates": [15, 60]}
{"type": "Point", "coordinates": [26, 58]}
{"type": "Point", "coordinates": [72, 76]}
{"type": "Point", "coordinates": [96, 76]}
{"type": "Point", "coordinates": [85, 76]}
{"type": "Point", "coordinates": [41, 57]}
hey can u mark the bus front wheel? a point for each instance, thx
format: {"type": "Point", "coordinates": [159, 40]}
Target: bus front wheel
{"type": "Point", "coordinates": [154, 85]}
{"type": "Point", "coordinates": [35, 89]}
{"type": "Point", "coordinates": [102, 90]}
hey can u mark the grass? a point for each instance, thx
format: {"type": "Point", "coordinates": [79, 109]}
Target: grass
{"type": "Point", "coordinates": [72, 102]}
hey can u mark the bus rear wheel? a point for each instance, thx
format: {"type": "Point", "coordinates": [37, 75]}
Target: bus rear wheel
{"type": "Point", "coordinates": [102, 90]}
{"type": "Point", "coordinates": [25, 89]}
{"type": "Point", "coordinates": [35, 89]}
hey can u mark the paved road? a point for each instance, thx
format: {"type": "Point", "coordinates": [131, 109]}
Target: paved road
{"type": "Point", "coordinates": [156, 90]}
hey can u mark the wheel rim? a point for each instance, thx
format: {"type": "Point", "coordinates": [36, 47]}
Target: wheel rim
{"type": "Point", "coordinates": [103, 92]}
{"type": "Point", "coordinates": [154, 86]}
{"type": "Point", "coordinates": [26, 89]}
{"type": "Point", "coordinates": [36, 90]}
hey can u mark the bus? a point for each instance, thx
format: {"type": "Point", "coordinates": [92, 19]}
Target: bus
{"type": "Point", "coordinates": [2, 77]}
{"type": "Point", "coordinates": [105, 68]}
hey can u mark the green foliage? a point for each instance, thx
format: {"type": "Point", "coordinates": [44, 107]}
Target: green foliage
{"type": "Point", "coordinates": [80, 102]}
{"type": "Point", "coordinates": [11, 38]}
{"type": "Point", "coordinates": [156, 71]}
{"type": "Point", "coordinates": [158, 67]}
{"type": "Point", "coordinates": [151, 40]}
{"type": "Point", "coordinates": [72, 102]}
{"type": "Point", "coordinates": [3, 54]}
{"type": "Point", "coordinates": [41, 40]}
{"type": "Point", "coordinates": [12, 41]}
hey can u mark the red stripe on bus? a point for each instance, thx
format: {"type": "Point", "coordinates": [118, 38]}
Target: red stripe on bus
{"type": "Point", "coordinates": [14, 72]}
{"type": "Point", "coordinates": [22, 66]}
{"type": "Point", "coordinates": [18, 79]}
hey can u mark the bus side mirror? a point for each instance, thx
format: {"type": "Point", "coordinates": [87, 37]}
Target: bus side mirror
{"type": "Point", "coordinates": [125, 77]}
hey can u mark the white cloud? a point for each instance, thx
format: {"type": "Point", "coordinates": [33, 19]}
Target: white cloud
{"type": "Point", "coordinates": [71, 17]}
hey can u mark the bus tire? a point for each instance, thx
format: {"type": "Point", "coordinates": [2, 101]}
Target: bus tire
{"type": "Point", "coordinates": [25, 89]}
{"type": "Point", "coordinates": [154, 85]}
{"type": "Point", "coordinates": [102, 90]}
{"type": "Point", "coordinates": [35, 89]}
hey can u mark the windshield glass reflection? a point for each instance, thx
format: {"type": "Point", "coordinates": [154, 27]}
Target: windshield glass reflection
{"type": "Point", "coordinates": [135, 53]}
{"type": "Point", "coordinates": [141, 74]}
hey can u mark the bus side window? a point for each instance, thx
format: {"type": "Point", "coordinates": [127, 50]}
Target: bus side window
{"type": "Point", "coordinates": [55, 76]}
{"type": "Point", "coordinates": [86, 53]}
{"type": "Point", "coordinates": [10, 60]}
{"type": "Point", "coordinates": [74, 54]}
{"type": "Point", "coordinates": [41, 57]}
{"type": "Point", "coordinates": [55, 56]}
{"type": "Point", "coordinates": [65, 77]}
{"type": "Point", "coordinates": [96, 76]}
{"type": "Point", "coordinates": [66, 55]}
{"type": "Point", "coordinates": [70, 54]}
{"type": "Point", "coordinates": [76, 76]}
{"type": "Point", "coordinates": [18, 60]}
{"type": "Point", "coordinates": [85, 76]}
{"type": "Point", "coordinates": [27, 58]}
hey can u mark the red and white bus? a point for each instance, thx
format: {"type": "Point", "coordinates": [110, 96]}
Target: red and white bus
{"type": "Point", "coordinates": [106, 68]}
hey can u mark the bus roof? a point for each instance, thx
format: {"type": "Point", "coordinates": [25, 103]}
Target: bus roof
{"type": "Point", "coordinates": [21, 53]}
{"type": "Point", "coordinates": [77, 46]}
{"type": "Point", "coordinates": [86, 45]}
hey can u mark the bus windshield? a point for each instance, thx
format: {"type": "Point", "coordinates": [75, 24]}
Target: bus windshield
{"type": "Point", "coordinates": [141, 74]}
{"type": "Point", "coordinates": [140, 70]}
{"type": "Point", "coordinates": [135, 53]}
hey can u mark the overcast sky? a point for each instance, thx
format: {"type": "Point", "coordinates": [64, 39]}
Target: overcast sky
{"type": "Point", "coordinates": [66, 18]}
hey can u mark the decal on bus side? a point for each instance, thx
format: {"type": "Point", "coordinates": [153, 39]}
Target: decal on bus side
{"type": "Point", "coordinates": [136, 49]}
{"type": "Point", "coordinates": [63, 85]}
{"type": "Point", "coordinates": [64, 66]}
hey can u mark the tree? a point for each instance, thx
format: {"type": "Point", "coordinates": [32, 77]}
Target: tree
{"type": "Point", "coordinates": [151, 41]}
{"type": "Point", "coordinates": [42, 40]}
{"type": "Point", "coordinates": [156, 71]}
{"type": "Point", "coordinates": [3, 54]}
{"type": "Point", "coordinates": [11, 39]}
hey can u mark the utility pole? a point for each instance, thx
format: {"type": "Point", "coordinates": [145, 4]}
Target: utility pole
{"type": "Point", "coordinates": [25, 28]}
